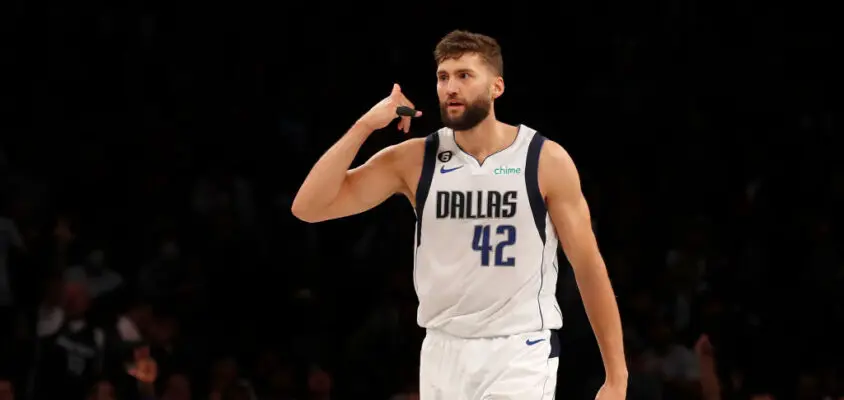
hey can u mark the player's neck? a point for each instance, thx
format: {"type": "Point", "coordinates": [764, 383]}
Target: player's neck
{"type": "Point", "coordinates": [487, 138]}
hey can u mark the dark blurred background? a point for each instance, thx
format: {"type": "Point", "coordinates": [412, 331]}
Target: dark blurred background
{"type": "Point", "coordinates": [149, 153]}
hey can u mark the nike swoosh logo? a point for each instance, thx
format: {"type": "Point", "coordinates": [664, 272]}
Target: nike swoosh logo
{"type": "Point", "coordinates": [445, 170]}
{"type": "Point", "coordinates": [533, 342]}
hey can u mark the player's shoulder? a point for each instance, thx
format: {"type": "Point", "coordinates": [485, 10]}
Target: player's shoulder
{"type": "Point", "coordinates": [555, 150]}
{"type": "Point", "coordinates": [556, 171]}
{"type": "Point", "coordinates": [537, 137]}
{"type": "Point", "coordinates": [552, 153]}
{"type": "Point", "coordinates": [416, 146]}
{"type": "Point", "coordinates": [408, 152]}
{"type": "Point", "coordinates": [408, 148]}
{"type": "Point", "coordinates": [555, 162]}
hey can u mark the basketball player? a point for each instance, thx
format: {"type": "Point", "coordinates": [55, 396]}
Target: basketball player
{"type": "Point", "coordinates": [491, 201]}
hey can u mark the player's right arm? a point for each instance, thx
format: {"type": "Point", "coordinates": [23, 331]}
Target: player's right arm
{"type": "Point", "coordinates": [333, 191]}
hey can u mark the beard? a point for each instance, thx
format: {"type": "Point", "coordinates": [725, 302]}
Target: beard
{"type": "Point", "coordinates": [473, 114]}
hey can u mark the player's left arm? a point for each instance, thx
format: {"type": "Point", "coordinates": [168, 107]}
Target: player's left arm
{"type": "Point", "coordinates": [560, 184]}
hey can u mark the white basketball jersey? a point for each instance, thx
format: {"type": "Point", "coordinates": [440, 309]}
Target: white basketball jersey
{"type": "Point", "coordinates": [486, 250]}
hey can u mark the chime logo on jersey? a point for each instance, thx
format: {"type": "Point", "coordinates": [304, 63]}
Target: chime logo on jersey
{"type": "Point", "coordinates": [505, 170]}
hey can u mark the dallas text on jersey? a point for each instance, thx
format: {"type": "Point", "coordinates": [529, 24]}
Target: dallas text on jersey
{"type": "Point", "coordinates": [476, 204]}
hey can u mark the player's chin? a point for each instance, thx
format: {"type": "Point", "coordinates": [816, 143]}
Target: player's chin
{"type": "Point", "coordinates": [454, 115]}
{"type": "Point", "coordinates": [453, 121]}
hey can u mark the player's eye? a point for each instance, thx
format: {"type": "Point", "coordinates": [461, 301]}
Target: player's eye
{"type": "Point", "coordinates": [464, 75]}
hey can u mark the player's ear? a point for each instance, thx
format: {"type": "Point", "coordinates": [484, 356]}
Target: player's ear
{"type": "Point", "coordinates": [497, 87]}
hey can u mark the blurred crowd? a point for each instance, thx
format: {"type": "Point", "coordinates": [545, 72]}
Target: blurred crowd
{"type": "Point", "coordinates": [203, 286]}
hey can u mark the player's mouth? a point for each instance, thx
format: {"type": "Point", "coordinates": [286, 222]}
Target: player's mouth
{"type": "Point", "coordinates": [454, 105]}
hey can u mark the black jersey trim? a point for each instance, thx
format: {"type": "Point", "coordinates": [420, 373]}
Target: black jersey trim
{"type": "Point", "coordinates": [429, 163]}
{"type": "Point", "coordinates": [537, 203]}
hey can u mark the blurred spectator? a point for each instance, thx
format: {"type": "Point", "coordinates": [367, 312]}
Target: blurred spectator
{"type": "Point", "coordinates": [710, 387]}
{"type": "Point", "coordinates": [674, 363]}
{"type": "Point", "coordinates": [644, 383]}
{"type": "Point", "coordinates": [282, 384]}
{"type": "Point", "coordinates": [101, 279]}
{"type": "Point", "coordinates": [157, 279]}
{"type": "Point", "coordinates": [10, 238]}
{"type": "Point", "coordinates": [71, 349]}
{"type": "Point", "coordinates": [319, 384]}
{"type": "Point", "coordinates": [163, 337]}
{"type": "Point", "coordinates": [7, 389]}
{"type": "Point", "coordinates": [224, 374]}
{"type": "Point", "coordinates": [101, 390]}
{"type": "Point", "coordinates": [223, 192]}
{"type": "Point", "coordinates": [132, 324]}
{"type": "Point", "coordinates": [177, 387]}
{"type": "Point", "coordinates": [239, 390]}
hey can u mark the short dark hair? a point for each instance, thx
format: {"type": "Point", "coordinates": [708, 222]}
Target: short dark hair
{"type": "Point", "coordinates": [459, 42]}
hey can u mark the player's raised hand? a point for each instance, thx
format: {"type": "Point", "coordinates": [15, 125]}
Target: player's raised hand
{"type": "Point", "coordinates": [381, 114]}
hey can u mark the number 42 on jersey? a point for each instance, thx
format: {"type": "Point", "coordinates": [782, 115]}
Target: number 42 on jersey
{"type": "Point", "coordinates": [505, 236]}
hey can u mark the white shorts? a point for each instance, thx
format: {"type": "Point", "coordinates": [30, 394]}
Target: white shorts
{"type": "Point", "coordinates": [517, 367]}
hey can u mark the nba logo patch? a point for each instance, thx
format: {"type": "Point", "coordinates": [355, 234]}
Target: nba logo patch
{"type": "Point", "coordinates": [444, 156]}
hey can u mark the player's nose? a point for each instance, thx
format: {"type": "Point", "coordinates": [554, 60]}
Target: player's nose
{"type": "Point", "coordinates": [451, 88]}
